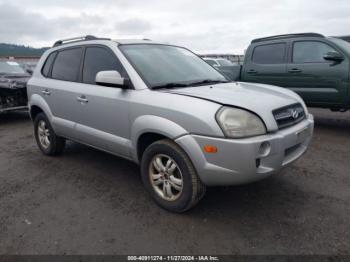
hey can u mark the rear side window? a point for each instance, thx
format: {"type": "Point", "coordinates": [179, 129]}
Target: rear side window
{"type": "Point", "coordinates": [99, 59]}
{"type": "Point", "coordinates": [269, 54]}
{"type": "Point", "coordinates": [211, 62]}
{"type": "Point", "coordinates": [46, 69]}
{"type": "Point", "coordinates": [310, 52]}
{"type": "Point", "coordinates": [67, 64]}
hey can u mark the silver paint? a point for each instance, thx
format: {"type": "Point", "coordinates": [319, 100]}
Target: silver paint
{"type": "Point", "coordinates": [113, 120]}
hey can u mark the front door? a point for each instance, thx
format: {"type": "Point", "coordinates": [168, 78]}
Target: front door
{"type": "Point", "coordinates": [316, 80]}
{"type": "Point", "coordinates": [104, 111]}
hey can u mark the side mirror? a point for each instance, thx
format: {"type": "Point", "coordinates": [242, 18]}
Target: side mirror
{"type": "Point", "coordinates": [333, 56]}
{"type": "Point", "coordinates": [29, 71]}
{"type": "Point", "coordinates": [111, 78]}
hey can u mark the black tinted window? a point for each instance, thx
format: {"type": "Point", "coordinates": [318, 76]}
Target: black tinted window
{"type": "Point", "coordinates": [98, 59]}
{"type": "Point", "coordinates": [211, 62]}
{"type": "Point", "coordinates": [67, 64]}
{"type": "Point", "coordinates": [48, 63]}
{"type": "Point", "coordinates": [310, 52]}
{"type": "Point", "coordinates": [269, 54]}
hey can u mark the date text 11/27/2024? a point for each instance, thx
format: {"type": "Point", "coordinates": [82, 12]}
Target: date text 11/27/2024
{"type": "Point", "coordinates": [173, 258]}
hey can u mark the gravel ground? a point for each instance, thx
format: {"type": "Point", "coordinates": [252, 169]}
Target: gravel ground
{"type": "Point", "coordinates": [89, 202]}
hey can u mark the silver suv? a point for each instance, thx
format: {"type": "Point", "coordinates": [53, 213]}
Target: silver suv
{"type": "Point", "coordinates": [166, 109]}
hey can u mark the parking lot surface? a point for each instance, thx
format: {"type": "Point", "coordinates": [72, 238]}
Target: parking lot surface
{"type": "Point", "coordinates": [90, 202]}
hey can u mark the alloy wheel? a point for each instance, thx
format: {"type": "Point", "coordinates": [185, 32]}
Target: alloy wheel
{"type": "Point", "coordinates": [43, 134]}
{"type": "Point", "coordinates": [166, 177]}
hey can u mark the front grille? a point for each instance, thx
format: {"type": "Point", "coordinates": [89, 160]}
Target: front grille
{"type": "Point", "coordinates": [289, 115]}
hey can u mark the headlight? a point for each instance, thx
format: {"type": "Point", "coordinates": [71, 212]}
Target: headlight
{"type": "Point", "coordinates": [238, 123]}
{"type": "Point", "coordinates": [6, 83]}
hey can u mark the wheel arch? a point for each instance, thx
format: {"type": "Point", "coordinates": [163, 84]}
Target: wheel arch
{"type": "Point", "coordinates": [148, 129]}
{"type": "Point", "coordinates": [36, 105]}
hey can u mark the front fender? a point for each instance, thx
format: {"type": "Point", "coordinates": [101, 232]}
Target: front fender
{"type": "Point", "coordinates": [153, 124]}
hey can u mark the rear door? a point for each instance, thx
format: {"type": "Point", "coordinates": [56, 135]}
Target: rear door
{"type": "Point", "coordinates": [266, 63]}
{"type": "Point", "coordinates": [61, 91]}
{"type": "Point", "coordinates": [317, 81]}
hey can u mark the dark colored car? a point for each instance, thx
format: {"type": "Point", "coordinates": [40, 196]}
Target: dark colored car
{"type": "Point", "coordinates": [29, 67]}
{"type": "Point", "coordinates": [345, 38]}
{"type": "Point", "coordinates": [13, 82]}
{"type": "Point", "coordinates": [226, 67]}
{"type": "Point", "coordinates": [314, 66]}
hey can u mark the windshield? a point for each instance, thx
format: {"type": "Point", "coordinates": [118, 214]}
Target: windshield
{"type": "Point", "coordinates": [161, 65]}
{"type": "Point", "coordinates": [9, 67]}
{"type": "Point", "coordinates": [342, 43]}
{"type": "Point", "coordinates": [224, 62]}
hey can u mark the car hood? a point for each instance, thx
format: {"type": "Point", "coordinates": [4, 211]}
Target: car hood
{"type": "Point", "coordinates": [258, 98]}
{"type": "Point", "coordinates": [14, 81]}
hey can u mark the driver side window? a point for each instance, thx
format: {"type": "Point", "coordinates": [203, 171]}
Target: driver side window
{"type": "Point", "coordinates": [310, 52]}
{"type": "Point", "coordinates": [99, 59]}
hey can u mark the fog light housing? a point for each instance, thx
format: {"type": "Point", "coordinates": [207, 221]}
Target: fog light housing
{"type": "Point", "coordinates": [257, 162]}
{"type": "Point", "coordinates": [264, 149]}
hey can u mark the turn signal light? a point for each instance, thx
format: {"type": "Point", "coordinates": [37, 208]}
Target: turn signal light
{"type": "Point", "coordinates": [210, 149]}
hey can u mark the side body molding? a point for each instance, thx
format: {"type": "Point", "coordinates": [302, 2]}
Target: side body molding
{"type": "Point", "coordinates": [153, 124]}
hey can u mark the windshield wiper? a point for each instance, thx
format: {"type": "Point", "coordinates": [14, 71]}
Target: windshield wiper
{"type": "Point", "coordinates": [209, 81]}
{"type": "Point", "coordinates": [170, 85]}
{"type": "Point", "coordinates": [204, 81]}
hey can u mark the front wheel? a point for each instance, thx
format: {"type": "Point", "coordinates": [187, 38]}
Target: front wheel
{"type": "Point", "coordinates": [170, 177]}
{"type": "Point", "coordinates": [48, 142]}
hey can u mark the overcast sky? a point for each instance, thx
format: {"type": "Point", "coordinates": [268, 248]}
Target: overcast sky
{"type": "Point", "coordinates": [201, 25]}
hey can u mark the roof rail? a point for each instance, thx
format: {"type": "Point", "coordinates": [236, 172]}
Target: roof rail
{"type": "Point", "coordinates": [276, 37]}
{"type": "Point", "coordinates": [77, 39]}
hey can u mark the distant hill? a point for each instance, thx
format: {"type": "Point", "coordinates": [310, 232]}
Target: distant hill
{"type": "Point", "coordinates": [20, 50]}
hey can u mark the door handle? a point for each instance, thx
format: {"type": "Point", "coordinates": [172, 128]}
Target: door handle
{"type": "Point", "coordinates": [294, 70]}
{"type": "Point", "coordinates": [46, 92]}
{"type": "Point", "coordinates": [82, 99]}
{"type": "Point", "coordinates": [252, 72]}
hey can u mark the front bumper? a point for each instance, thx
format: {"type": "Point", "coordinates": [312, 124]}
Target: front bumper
{"type": "Point", "coordinates": [240, 161]}
{"type": "Point", "coordinates": [8, 109]}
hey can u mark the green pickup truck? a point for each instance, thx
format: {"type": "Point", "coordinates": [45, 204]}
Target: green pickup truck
{"type": "Point", "coordinates": [314, 66]}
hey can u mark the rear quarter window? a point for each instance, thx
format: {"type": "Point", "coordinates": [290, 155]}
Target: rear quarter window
{"type": "Point", "coordinates": [48, 63]}
{"type": "Point", "coordinates": [269, 54]}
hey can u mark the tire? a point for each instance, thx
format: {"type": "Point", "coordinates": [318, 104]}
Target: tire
{"type": "Point", "coordinates": [53, 145]}
{"type": "Point", "coordinates": [181, 196]}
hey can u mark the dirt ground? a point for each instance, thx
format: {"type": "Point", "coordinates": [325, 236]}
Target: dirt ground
{"type": "Point", "coordinates": [90, 202]}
